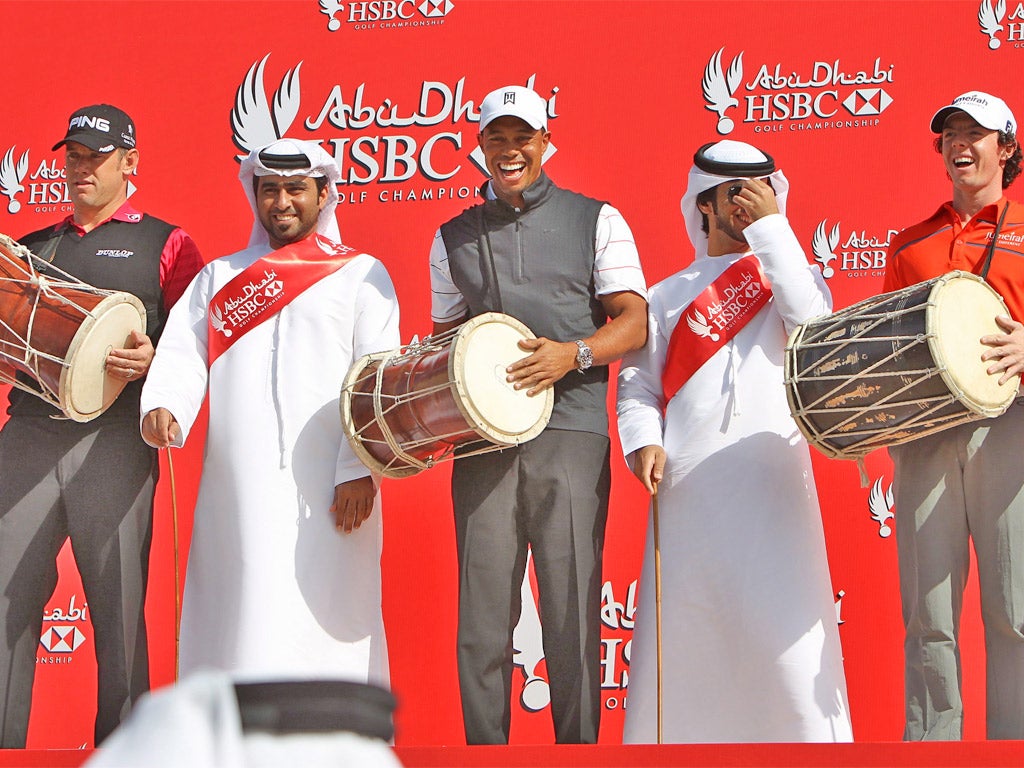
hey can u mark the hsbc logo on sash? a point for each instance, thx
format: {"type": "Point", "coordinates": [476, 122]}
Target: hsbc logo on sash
{"type": "Point", "coordinates": [385, 14]}
{"type": "Point", "coordinates": [859, 255]}
{"type": "Point", "coordinates": [253, 299]}
{"type": "Point", "coordinates": [828, 96]}
{"type": "Point", "coordinates": [994, 24]}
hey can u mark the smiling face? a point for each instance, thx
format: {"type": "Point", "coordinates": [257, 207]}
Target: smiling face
{"type": "Point", "coordinates": [288, 207]}
{"type": "Point", "coordinates": [97, 181]}
{"type": "Point", "coordinates": [513, 152]}
{"type": "Point", "coordinates": [973, 158]}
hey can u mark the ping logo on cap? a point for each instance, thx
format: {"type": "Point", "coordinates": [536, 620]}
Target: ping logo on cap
{"type": "Point", "coordinates": [85, 121]}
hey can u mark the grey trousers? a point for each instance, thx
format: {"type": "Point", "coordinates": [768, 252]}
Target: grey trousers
{"type": "Point", "coordinates": [964, 483]}
{"type": "Point", "coordinates": [94, 484]}
{"type": "Point", "coordinates": [552, 494]}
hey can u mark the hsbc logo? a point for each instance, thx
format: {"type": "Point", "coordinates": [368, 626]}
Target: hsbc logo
{"type": "Point", "coordinates": [385, 14]}
{"type": "Point", "coordinates": [867, 101]}
{"type": "Point", "coordinates": [859, 255]}
{"type": "Point", "coordinates": [830, 95]}
{"type": "Point", "coordinates": [62, 639]}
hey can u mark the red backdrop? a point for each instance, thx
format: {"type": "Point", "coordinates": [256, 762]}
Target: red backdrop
{"type": "Point", "coordinates": [840, 93]}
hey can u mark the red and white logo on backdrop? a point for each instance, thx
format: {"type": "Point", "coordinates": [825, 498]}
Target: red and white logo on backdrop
{"type": "Point", "coordinates": [994, 23]}
{"type": "Point", "coordinates": [880, 503]}
{"type": "Point", "coordinates": [62, 636]}
{"type": "Point", "coordinates": [401, 150]}
{"type": "Point", "coordinates": [830, 95]}
{"type": "Point", "coordinates": [385, 14]}
{"type": "Point", "coordinates": [860, 255]}
{"type": "Point", "coordinates": [44, 190]}
{"type": "Point", "coordinates": [41, 191]}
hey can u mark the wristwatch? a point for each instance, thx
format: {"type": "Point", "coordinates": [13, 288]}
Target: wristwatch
{"type": "Point", "coordinates": [584, 356]}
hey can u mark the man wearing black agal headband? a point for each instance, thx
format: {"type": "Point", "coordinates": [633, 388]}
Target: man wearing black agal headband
{"type": "Point", "coordinates": [284, 567]}
{"type": "Point", "coordinates": [91, 482]}
{"type": "Point", "coordinates": [752, 646]}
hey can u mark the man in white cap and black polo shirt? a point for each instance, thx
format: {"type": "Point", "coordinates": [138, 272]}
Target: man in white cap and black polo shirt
{"type": "Point", "coordinates": [751, 643]}
{"type": "Point", "coordinates": [284, 567]}
{"type": "Point", "coordinates": [91, 482]}
{"type": "Point", "coordinates": [966, 483]}
{"type": "Point", "coordinates": [567, 267]}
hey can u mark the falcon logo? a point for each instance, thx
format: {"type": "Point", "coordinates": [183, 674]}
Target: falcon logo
{"type": "Point", "coordinates": [880, 505]}
{"type": "Point", "coordinates": [11, 176]}
{"type": "Point", "coordinates": [823, 247]}
{"type": "Point", "coordinates": [254, 123]}
{"type": "Point", "coordinates": [989, 17]}
{"type": "Point", "coordinates": [719, 88]}
{"type": "Point", "coordinates": [699, 325]}
{"type": "Point", "coordinates": [62, 639]}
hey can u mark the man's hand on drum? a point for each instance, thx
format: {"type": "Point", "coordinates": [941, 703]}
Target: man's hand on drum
{"type": "Point", "coordinates": [550, 361]}
{"type": "Point", "coordinates": [159, 428]}
{"type": "Point", "coordinates": [353, 503]}
{"type": "Point", "coordinates": [649, 466]}
{"type": "Point", "coordinates": [1007, 349]}
{"type": "Point", "coordinates": [133, 361]}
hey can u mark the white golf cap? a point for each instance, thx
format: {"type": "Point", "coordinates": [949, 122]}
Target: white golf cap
{"type": "Point", "coordinates": [514, 101]}
{"type": "Point", "coordinates": [989, 111]}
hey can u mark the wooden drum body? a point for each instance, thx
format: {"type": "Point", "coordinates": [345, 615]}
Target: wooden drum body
{"type": "Point", "coordinates": [406, 410]}
{"type": "Point", "coordinates": [896, 367]}
{"type": "Point", "coordinates": [59, 331]}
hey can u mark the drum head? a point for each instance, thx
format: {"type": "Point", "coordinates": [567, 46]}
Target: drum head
{"type": "Point", "coordinates": [963, 309]}
{"type": "Point", "coordinates": [85, 388]}
{"type": "Point", "coordinates": [485, 346]}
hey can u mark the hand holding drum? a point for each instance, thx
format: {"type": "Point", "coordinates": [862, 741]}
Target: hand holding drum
{"type": "Point", "coordinates": [902, 365]}
{"type": "Point", "coordinates": [80, 344]}
{"type": "Point", "coordinates": [405, 411]}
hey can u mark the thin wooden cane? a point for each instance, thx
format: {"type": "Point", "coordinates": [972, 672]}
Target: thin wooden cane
{"type": "Point", "coordinates": [657, 599]}
{"type": "Point", "coordinates": [177, 574]}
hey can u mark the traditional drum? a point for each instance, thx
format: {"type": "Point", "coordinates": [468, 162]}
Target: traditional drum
{"type": "Point", "coordinates": [406, 410]}
{"type": "Point", "coordinates": [59, 330]}
{"type": "Point", "coordinates": [896, 367]}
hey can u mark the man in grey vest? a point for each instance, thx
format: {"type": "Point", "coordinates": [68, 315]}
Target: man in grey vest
{"type": "Point", "coordinates": [567, 267]}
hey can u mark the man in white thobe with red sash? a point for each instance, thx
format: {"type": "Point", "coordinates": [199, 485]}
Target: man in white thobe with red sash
{"type": "Point", "coordinates": [284, 568]}
{"type": "Point", "coordinates": [749, 627]}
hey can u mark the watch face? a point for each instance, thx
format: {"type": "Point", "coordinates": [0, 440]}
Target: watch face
{"type": "Point", "coordinates": [584, 356]}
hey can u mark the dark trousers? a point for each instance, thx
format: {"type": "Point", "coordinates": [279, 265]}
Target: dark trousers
{"type": "Point", "coordinates": [93, 484]}
{"type": "Point", "coordinates": [551, 494]}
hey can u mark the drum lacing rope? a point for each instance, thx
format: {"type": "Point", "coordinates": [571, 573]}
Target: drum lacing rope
{"type": "Point", "coordinates": [42, 285]}
{"type": "Point", "coordinates": [399, 450]}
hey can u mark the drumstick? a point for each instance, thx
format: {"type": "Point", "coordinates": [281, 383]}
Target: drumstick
{"type": "Point", "coordinates": [657, 598]}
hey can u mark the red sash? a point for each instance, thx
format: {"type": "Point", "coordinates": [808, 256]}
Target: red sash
{"type": "Point", "coordinates": [712, 319]}
{"type": "Point", "coordinates": [268, 285]}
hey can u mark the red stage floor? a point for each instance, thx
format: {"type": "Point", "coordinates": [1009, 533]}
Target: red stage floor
{"type": "Point", "coordinates": [985, 754]}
